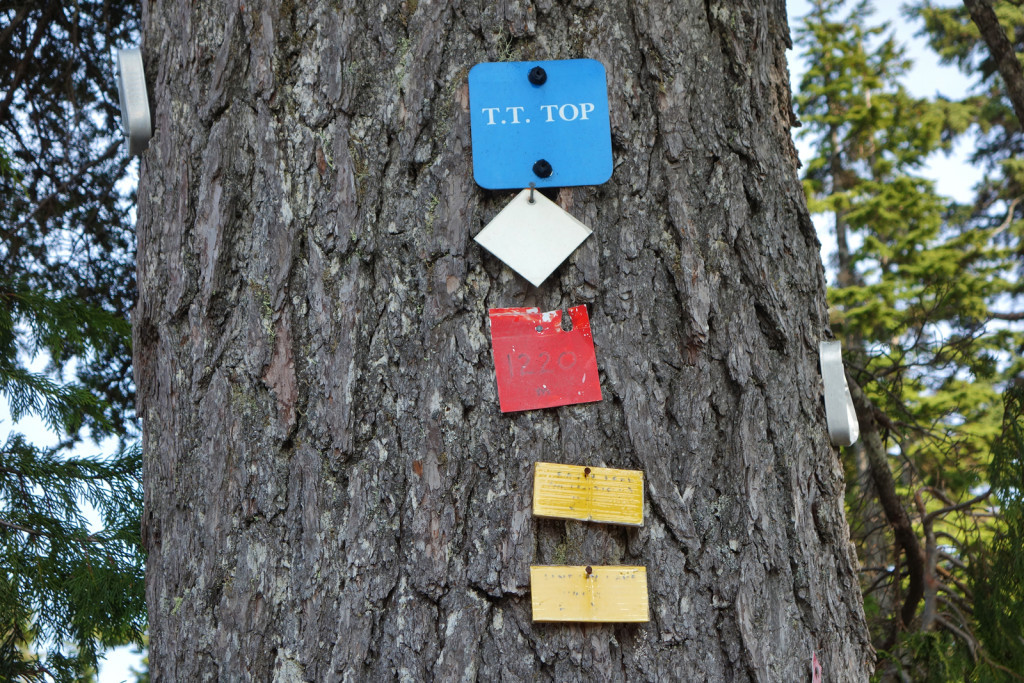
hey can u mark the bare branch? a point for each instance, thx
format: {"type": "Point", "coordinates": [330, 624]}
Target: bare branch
{"type": "Point", "coordinates": [25, 63]}
{"type": "Point", "coordinates": [885, 570]}
{"type": "Point", "coordinates": [930, 612]}
{"type": "Point", "coordinates": [6, 34]}
{"type": "Point", "coordinates": [895, 513]}
{"type": "Point", "coordinates": [969, 639]}
{"type": "Point", "coordinates": [956, 562]}
{"type": "Point", "coordinates": [959, 506]}
{"type": "Point", "coordinates": [876, 584]}
{"type": "Point", "coordinates": [995, 665]}
{"type": "Point", "coordinates": [1009, 217]}
{"type": "Point", "coordinates": [947, 594]}
{"type": "Point", "coordinates": [964, 589]}
{"type": "Point", "coordinates": [113, 149]}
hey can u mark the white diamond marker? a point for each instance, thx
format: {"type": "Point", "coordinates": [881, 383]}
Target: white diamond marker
{"type": "Point", "coordinates": [533, 238]}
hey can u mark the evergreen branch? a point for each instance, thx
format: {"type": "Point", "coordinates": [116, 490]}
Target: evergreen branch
{"type": "Point", "coordinates": [23, 65]}
{"type": "Point", "coordinates": [91, 538]}
{"type": "Point", "coordinates": [112, 151]}
{"type": "Point", "coordinates": [62, 406]}
{"type": "Point", "coordinates": [913, 316]}
{"type": "Point", "coordinates": [66, 281]}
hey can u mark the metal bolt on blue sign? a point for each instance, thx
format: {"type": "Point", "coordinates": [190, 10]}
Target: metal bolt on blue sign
{"type": "Point", "coordinates": [541, 122]}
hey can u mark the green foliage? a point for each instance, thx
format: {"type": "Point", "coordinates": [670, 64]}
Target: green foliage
{"type": "Point", "coordinates": [921, 287]}
{"type": "Point", "coordinates": [65, 223]}
{"type": "Point", "coordinates": [998, 583]}
{"type": "Point", "coordinates": [61, 582]}
{"type": "Point", "coordinates": [64, 329]}
{"type": "Point", "coordinates": [957, 40]}
{"type": "Point", "coordinates": [934, 656]}
{"type": "Point", "coordinates": [1000, 141]}
{"type": "Point", "coordinates": [915, 296]}
{"type": "Point", "coordinates": [66, 287]}
{"type": "Point", "coordinates": [75, 586]}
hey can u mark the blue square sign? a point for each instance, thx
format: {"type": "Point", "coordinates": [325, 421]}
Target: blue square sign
{"type": "Point", "coordinates": [540, 122]}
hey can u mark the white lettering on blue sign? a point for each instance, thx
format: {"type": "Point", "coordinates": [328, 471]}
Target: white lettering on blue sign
{"type": "Point", "coordinates": [515, 123]}
{"type": "Point", "coordinates": [565, 112]}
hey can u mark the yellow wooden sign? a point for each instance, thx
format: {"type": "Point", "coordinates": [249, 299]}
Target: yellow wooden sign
{"type": "Point", "coordinates": [591, 494]}
{"type": "Point", "coordinates": [592, 594]}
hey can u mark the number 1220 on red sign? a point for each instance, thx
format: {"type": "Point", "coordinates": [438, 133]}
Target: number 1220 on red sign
{"type": "Point", "coordinates": [538, 364]}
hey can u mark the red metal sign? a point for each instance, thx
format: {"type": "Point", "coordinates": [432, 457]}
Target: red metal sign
{"type": "Point", "coordinates": [540, 365]}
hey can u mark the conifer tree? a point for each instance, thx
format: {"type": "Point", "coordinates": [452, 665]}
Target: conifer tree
{"type": "Point", "coordinates": [1000, 139]}
{"type": "Point", "coordinates": [66, 286]}
{"type": "Point", "coordinates": [917, 289]}
{"type": "Point", "coordinates": [999, 582]}
{"type": "Point", "coordinates": [968, 37]}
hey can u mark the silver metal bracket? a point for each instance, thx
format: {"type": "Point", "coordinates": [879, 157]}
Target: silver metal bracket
{"type": "Point", "coordinates": [131, 89]}
{"type": "Point", "coordinates": [843, 428]}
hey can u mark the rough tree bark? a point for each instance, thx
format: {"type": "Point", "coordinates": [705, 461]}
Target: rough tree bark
{"type": "Point", "coordinates": [1001, 50]}
{"type": "Point", "coordinates": [331, 490]}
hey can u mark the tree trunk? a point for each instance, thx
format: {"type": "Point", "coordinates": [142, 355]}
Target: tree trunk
{"type": "Point", "coordinates": [331, 490]}
{"type": "Point", "coordinates": [1001, 50]}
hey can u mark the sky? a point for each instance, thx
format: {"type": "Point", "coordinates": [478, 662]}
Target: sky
{"type": "Point", "coordinates": [953, 176]}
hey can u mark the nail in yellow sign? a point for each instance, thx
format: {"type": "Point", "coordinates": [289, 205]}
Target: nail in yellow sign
{"type": "Point", "coordinates": [592, 594]}
{"type": "Point", "coordinates": [591, 494]}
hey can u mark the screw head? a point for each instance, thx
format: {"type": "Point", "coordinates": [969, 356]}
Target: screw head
{"type": "Point", "coordinates": [542, 169]}
{"type": "Point", "coordinates": [538, 76]}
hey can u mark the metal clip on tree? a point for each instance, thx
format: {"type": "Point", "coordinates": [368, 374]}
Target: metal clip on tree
{"type": "Point", "coordinates": [131, 89]}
